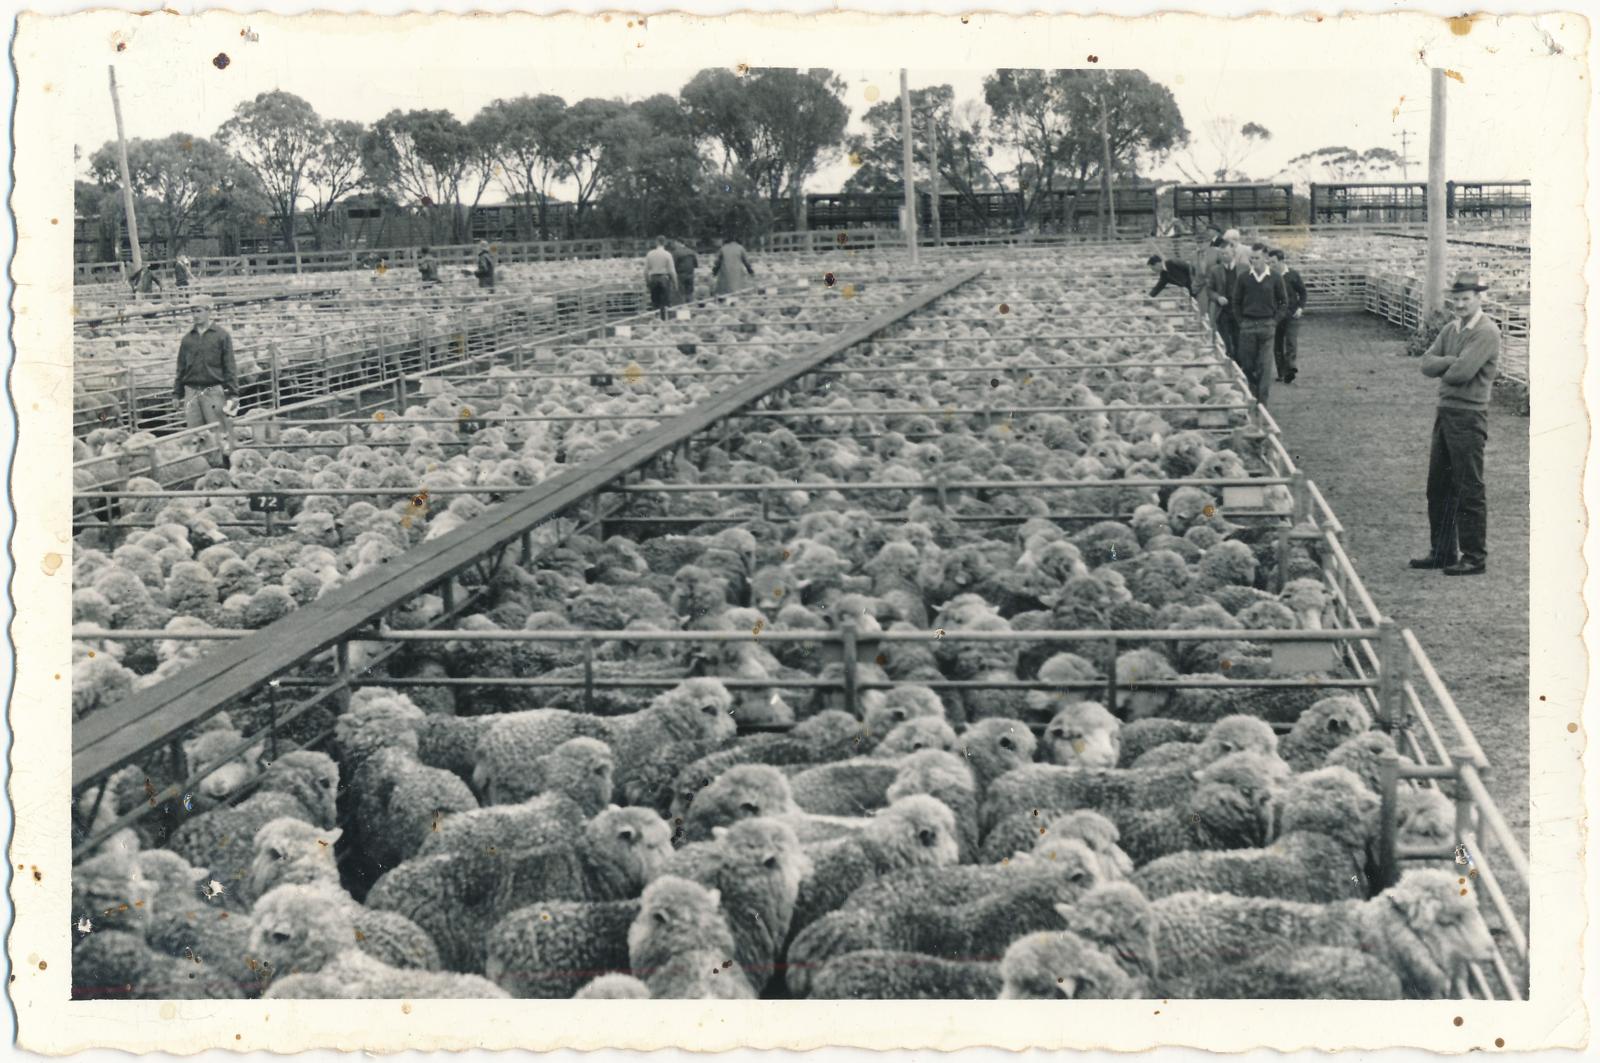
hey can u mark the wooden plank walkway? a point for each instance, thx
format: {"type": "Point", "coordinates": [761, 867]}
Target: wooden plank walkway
{"type": "Point", "coordinates": [145, 720]}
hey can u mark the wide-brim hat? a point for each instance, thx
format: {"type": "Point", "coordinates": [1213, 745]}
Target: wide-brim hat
{"type": "Point", "coordinates": [1467, 281]}
{"type": "Point", "coordinates": [1231, 235]}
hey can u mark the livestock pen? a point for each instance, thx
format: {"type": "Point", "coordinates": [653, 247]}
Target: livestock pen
{"type": "Point", "coordinates": [826, 415]}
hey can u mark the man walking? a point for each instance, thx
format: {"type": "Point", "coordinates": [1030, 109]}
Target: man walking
{"type": "Point", "coordinates": [1223, 277]}
{"type": "Point", "coordinates": [660, 276]}
{"type": "Point", "coordinates": [1286, 344]}
{"type": "Point", "coordinates": [684, 263]}
{"type": "Point", "coordinates": [1464, 357]}
{"type": "Point", "coordinates": [1258, 302]}
{"type": "Point", "coordinates": [208, 380]}
{"type": "Point", "coordinates": [486, 266]}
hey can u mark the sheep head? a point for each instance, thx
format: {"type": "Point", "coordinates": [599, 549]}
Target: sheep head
{"type": "Point", "coordinates": [1084, 735]}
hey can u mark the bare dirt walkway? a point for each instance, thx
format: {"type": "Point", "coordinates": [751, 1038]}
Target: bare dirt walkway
{"type": "Point", "coordinates": [1358, 421]}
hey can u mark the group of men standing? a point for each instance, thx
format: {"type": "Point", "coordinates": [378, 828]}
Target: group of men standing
{"type": "Point", "coordinates": [670, 265]}
{"type": "Point", "coordinates": [1253, 300]}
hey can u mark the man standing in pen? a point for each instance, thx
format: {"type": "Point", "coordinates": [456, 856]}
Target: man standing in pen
{"type": "Point", "coordinates": [208, 380]}
{"type": "Point", "coordinates": [1464, 358]}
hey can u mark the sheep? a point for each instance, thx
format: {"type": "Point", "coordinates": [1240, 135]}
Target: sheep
{"type": "Point", "coordinates": [982, 926]}
{"type": "Point", "coordinates": [301, 784]}
{"type": "Point", "coordinates": [1117, 918]}
{"type": "Point", "coordinates": [1422, 929]}
{"type": "Point", "coordinates": [854, 787]}
{"type": "Point", "coordinates": [1364, 754]}
{"type": "Point", "coordinates": [696, 708]}
{"type": "Point", "coordinates": [1327, 819]}
{"type": "Point", "coordinates": [1060, 965]}
{"type": "Point", "coordinates": [1040, 786]}
{"type": "Point", "coordinates": [745, 791]}
{"type": "Point", "coordinates": [756, 865]}
{"type": "Point", "coordinates": [879, 974]}
{"type": "Point", "coordinates": [680, 945]}
{"type": "Point", "coordinates": [303, 936]}
{"type": "Point", "coordinates": [922, 732]}
{"type": "Point", "coordinates": [1023, 835]}
{"type": "Point", "coordinates": [994, 747]}
{"type": "Point", "coordinates": [829, 735]}
{"type": "Point", "coordinates": [614, 987]}
{"type": "Point", "coordinates": [1316, 972]}
{"type": "Point", "coordinates": [546, 950]}
{"type": "Point", "coordinates": [915, 831]}
{"type": "Point", "coordinates": [1231, 808]}
{"type": "Point", "coordinates": [1085, 735]}
{"type": "Point", "coordinates": [457, 897]}
{"type": "Point", "coordinates": [945, 777]}
{"type": "Point", "coordinates": [1321, 729]}
{"type": "Point", "coordinates": [290, 851]}
{"type": "Point", "coordinates": [577, 781]}
{"type": "Point", "coordinates": [116, 965]}
{"type": "Point", "coordinates": [1231, 734]}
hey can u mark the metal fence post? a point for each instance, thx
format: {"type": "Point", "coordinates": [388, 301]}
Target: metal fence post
{"type": "Point", "coordinates": [1389, 821]}
{"type": "Point", "coordinates": [1111, 675]}
{"type": "Point", "coordinates": [1391, 675]}
{"type": "Point", "coordinates": [275, 364]}
{"type": "Point", "coordinates": [1301, 495]}
{"type": "Point", "coordinates": [133, 403]}
{"type": "Point", "coordinates": [588, 675]}
{"type": "Point", "coordinates": [847, 639]}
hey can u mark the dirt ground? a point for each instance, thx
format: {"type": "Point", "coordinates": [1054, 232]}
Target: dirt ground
{"type": "Point", "coordinates": [1358, 421]}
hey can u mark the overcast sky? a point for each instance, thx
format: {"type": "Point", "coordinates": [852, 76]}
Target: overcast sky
{"type": "Point", "coordinates": [1303, 111]}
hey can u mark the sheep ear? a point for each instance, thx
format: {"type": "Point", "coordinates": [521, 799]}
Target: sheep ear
{"type": "Point", "coordinates": [1195, 774]}
{"type": "Point", "coordinates": [716, 897]}
{"type": "Point", "coordinates": [613, 808]}
{"type": "Point", "coordinates": [719, 833]}
{"type": "Point", "coordinates": [331, 836]}
{"type": "Point", "coordinates": [1064, 911]}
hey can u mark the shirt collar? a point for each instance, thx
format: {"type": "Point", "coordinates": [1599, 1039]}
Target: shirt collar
{"type": "Point", "coordinates": [1477, 317]}
{"type": "Point", "coordinates": [1259, 276]}
{"type": "Point", "coordinates": [201, 330]}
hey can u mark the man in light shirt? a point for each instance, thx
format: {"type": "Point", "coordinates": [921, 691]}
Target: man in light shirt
{"type": "Point", "coordinates": [660, 276]}
{"type": "Point", "coordinates": [1464, 358]}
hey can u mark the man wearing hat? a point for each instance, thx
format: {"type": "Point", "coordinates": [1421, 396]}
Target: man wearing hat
{"type": "Point", "coordinates": [207, 385]}
{"type": "Point", "coordinates": [486, 265]}
{"type": "Point", "coordinates": [1463, 357]}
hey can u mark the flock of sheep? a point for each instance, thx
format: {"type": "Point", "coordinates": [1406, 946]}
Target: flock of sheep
{"type": "Point", "coordinates": [918, 841]}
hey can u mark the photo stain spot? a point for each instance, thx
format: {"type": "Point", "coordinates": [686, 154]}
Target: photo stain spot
{"type": "Point", "coordinates": [1094, 59]}
{"type": "Point", "coordinates": [1209, 511]}
{"type": "Point", "coordinates": [994, 381]}
{"type": "Point", "coordinates": [1458, 1020]}
{"type": "Point", "coordinates": [51, 562]}
{"type": "Point", "coordinates": [828, 279]}
{"type": "Point", "coordinates": [1005, 308]}
{"type": "Point", "coordinates": [1455, 74]}
{"type": "Point", "coordinates": [872, 93]}
{"type": "Point", "coordinates": [1499, 1042]}
{"type": "Point", "coordinates": [1572, 728]}
{"type": "Point", "coordinates": [221, 61]}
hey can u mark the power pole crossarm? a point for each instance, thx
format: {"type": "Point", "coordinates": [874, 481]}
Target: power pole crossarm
{"type": "Point", "coordinates": [127, 182]}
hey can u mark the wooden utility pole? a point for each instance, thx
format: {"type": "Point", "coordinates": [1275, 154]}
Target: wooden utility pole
{"type": "Point", "coordinates": [933, 175]}
{"type": "Point", "coordinates": [1105, 167]}
{"type": "Point", "coordinates": [1434, 292]}
{"type": "Point", "coordinates": [908, 146]}
{"type": "Point", "coordinates": [127, 182]}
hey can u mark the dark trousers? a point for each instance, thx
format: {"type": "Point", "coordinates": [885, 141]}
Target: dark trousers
{"type": "Point", "coordinates": [1286, 347]}
{"type": "Point", "coordinates": [1458, 511]}
{"type": "Point", "coordinates": [1255, 347]}
{"type": "Point", "coordinates": [660, 293]}
{"type": "Point", "coordinates": [1228, 329]}
{"type": "Point", "coordinates": [686, 287]}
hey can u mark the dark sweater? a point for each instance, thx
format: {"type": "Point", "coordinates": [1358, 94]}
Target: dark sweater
{"type": "Point", "coordinates": [1258, 300]}
{"type": "Point", "coordinates": [206, 360]}
{"type": "Point", "coordinates": [1174, 272]}
{"type": "Point", "coordinates": [1296, 289]}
